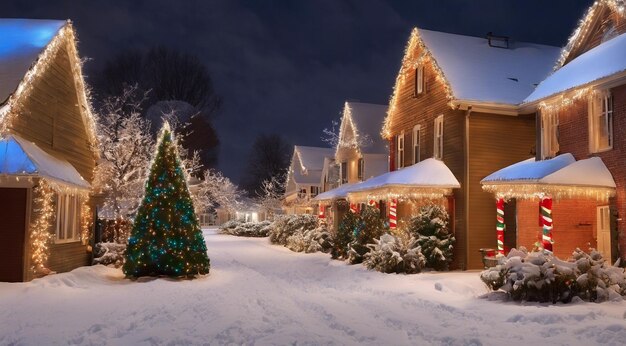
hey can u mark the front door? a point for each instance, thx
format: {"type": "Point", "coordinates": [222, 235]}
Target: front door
{"type": "Point", "coordinates": [12, 233]}
{"type": "Point", "coordinates": [604, 232]}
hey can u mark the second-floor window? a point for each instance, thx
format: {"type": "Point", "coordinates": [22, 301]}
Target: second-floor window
{"type": "Point", "coordinates": [344, 172]}
{"type": "Point", "coordinates": [68, 218]}
{"type": "Point", "coordinates": [314, 191]}
{"type": "Point", "coordinates": [601, 122]}
{"type": "Point", "coordinates": [360, 169]}
{"type": "Point", "coordinates": [302, 193]}
{"type": "Point", "coordinates": [419, 80]}
{"type": "Point", "coordinates": [549, 134]}
{"type": "Point", "coordinates": [416, 143]}
{"type": "Point", "coordinates": [400, 146]}
{"type": "Point", "coordinates": [438, 137]}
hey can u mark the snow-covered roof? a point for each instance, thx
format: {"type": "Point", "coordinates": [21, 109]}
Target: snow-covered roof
{"type": "Point", "coordinates": [478, 72]}
{"type": "Point", "coordinates": [312, 158]}
{"type": "Point", "coordinates": [336, 193]}
{"type": "Point", "coordinates": [529, 170]}
{"type": "Point", "coordinates": [559, 177]}
{"type": "Point", "coordinates": [430, 173]}
{"type": "Point", "coordinates": [367, 119]}
{"type": "Point", "coordinates": [601, 61]}
{"type": "Point", "coordinates": [21, 43]}
{"type": "Point", "coordinates": [21, 157]}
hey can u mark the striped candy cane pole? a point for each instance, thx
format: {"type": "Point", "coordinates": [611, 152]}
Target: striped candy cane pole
{"type": "Point", "coordinates": [546, 222]}
{"type": "Point", "coordinates": [500, 224]}
{"type": "Point", "coordinates": [393, 218]}
{"type": "Point", "coordinates": [353, 207]}
{"type": "Point", "coordinates": [321, 213]}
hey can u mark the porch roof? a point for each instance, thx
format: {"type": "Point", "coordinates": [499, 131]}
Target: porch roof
{"type": "Point", "coordinates": [336, 193]}
{"type": "Point", "coordinates": [588, 178]}
{"type": "Point", "coordinates": [428, 178]}
{"type": "Point", "coordinates": [19, 157]}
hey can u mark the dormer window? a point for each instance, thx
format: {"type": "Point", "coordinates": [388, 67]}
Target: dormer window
{"type": "Point", "coordinates": [419, 80]}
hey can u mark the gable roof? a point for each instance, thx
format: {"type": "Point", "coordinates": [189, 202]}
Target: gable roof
{"type": "Point", "coordinates": [607, 59]}
{"type": "Point", "coordinates": [307, 164]}
{"type": "Point", "coordinates": [26, 48]}
{"type": "Point", "coordinates": [366, 120]}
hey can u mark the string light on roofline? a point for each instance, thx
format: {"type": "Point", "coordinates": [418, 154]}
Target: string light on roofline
{"type": "Point", "coordinates": [409, 62]}
{"type": "Point", "coordinates": [533, 191]}
{"type": "Point", "coordinates": [403, 193]}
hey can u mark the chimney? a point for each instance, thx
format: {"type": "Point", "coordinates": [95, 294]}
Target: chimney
{"type": "Point", "coordinates": [497, 41]}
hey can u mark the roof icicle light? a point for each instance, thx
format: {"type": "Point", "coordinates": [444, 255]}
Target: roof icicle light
{"type": "Point", "coordinates": [409, 62]}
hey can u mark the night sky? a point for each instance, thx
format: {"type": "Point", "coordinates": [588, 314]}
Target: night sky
{"type": "Point", "coordinates": [287, 66]}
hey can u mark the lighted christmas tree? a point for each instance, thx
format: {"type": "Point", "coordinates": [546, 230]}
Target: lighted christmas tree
{"type": "Point", "coordinates": [166, 238]}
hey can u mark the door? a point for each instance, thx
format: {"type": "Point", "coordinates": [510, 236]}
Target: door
{"type": "Point", "coordinates": [604, 232]}
{"type": "Point", "coordinates": [12, 233]}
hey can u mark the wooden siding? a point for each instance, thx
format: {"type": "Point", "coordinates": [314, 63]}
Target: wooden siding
{"type": "Point", "coordinates": [68, 256]}
{"type": "Point", "coordinates": [495, 141]}
{"type": "Point", "coordinates": [50, 117]}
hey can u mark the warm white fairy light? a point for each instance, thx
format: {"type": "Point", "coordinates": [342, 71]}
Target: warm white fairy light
{"type": "Point", "coordinates": [86, 221]}
{"type": "Point", "coordinates": [401, 193]}
{"type": "Point", "coordinates": [40, 227]}
{"type": "Point", "coordinates": [566, 100]}
{"type": "Point", "coordinates": [584, 27]}
{"type": "Point", "coordinates": [409, 63]}
{"type": "Point", "coordinates": [532, 191]}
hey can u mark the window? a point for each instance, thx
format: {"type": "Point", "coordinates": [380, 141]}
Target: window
{"type": "Point", "coordinates": [360, 169]}
{"type": "Point", "coordinates": [438, 145]}
{"type": "Point", "coordinates": [419, 80]}
{"type": "Point", "coordinates": [400, 145]}
{"type": "Point", "coordinates": [302, 192]}
{"type": "Point", "coordinates": [603, 235]}
{"type": "Point", "coordinates": [68, 218]}
{"type": "Point", "coordinates": [601, 122]}
{"type": "Point", "coordinates": [314, 191]}
{"type": "Point", "coordinates": [416, 143]}
{"type": "Point", "coordinates": [549, 134]}
{"type": "Point", "coordinates": [344, 172]}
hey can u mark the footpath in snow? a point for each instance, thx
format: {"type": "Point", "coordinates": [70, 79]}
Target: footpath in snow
{"type": "Point", "coordinates": [262, 294]}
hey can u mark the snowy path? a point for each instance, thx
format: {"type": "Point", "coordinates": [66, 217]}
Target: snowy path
{"type": "Point", "coordinates": [263, 294]}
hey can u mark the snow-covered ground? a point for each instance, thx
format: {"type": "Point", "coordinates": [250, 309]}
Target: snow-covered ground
{"type": "Point", "coordinates": [263, 294]}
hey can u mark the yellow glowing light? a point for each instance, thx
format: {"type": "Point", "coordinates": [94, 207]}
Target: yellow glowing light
{"type": "Point", "coordinates": [532, 191]}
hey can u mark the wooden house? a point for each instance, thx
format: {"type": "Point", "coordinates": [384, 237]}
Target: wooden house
{"type": "Point", "coordinates": [581, 114]}
{"type": "Point", "coordinates": [456, 100]}
{"type": "Point", "coordinates": [47, 151]}
{"type": "Point", "coordinates": [304, 178]}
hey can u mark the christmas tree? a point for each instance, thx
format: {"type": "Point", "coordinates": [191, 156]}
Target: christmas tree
{"type": "Point", "coordinates": [166, 237]}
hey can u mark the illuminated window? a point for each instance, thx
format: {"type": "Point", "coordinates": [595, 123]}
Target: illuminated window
{"type": "Point", "coordinates": [438, 134]}
{"type": "Point", "coordinates": [601, 122]}
{"type": "Point", "coordinates": [549, 134]}
{"type": "Point", "coordinates": [68, 218]}
{"type": "Point", "coordinates": [400, 146]}
{"type": "Point", "coordinates": [416, 143]}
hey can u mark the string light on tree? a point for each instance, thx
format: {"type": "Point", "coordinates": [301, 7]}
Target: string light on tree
{"type": "Point", "coordinates": [166, 238]}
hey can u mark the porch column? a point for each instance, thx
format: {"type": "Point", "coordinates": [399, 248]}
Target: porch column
{"type": "Point", "coordinates": [393, 218]}
{"type": "Point", "coordinates": [500, 225]}
{"type": "Point", "coordinates": [546, 222]}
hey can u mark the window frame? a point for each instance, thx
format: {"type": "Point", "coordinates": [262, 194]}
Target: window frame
{"type": "Point", "coordinates": [550, 145]}
{"type": "Point", "coordinates": [360, 168]}
{"type": "Point", "coordinates": [417, 134]}
{"type": "Point", "coordinates": [343, 172]}
{"type": "Point", "coordinates": [601, 105]}
{"type": "Point", "coordinates": [68, 215]}
{"type": "Point", "coordinates": [419, 80]}
{"type": "Point", "coordinates": [438, 138]}
{"type": "Point", "coordinates": [400, 150]}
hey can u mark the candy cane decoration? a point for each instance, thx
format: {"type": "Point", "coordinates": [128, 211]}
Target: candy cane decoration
{"type": "Point", "coordinates": [393, 218]}
{"type": "Point", "coordinates": [372, 203]}
{"type": "Point", "coordinates": [500, 224]}
{"type": "Point", "coordinates": [321, 214]}
{"type": "Point", "coordinates": [546, 222]}
{"type": "Point", "coordinates": [353, 207]}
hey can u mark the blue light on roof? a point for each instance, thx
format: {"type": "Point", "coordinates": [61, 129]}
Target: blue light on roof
{"type": "Point", "coordinates": [23, 35]}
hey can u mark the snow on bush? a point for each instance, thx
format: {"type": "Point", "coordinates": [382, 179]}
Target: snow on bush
{"type": "Point", "coordinates": [245, 229]}
{"type": "Point", "coordinates": [395, 254]}
{"type": "Point", "coordinates": [370, 226]}
{"type": "Point", "coordinates": [430, 228]}
{"type": "Point", "coordinates": [311, 240]}
{"type": "Point", "coordinates": [109, 254]}
{"type": "Point", "coordinates": [344, 235]}
{"type": "Point", "coordinates": [539, 276]}
{"type": "Point", "coordinates": [284, 226]}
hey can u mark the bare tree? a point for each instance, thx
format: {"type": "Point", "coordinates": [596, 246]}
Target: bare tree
{"type": "Point", "coordinates": [269, 157]}
{"type": "Point", "coordinates": [216, 190]}
{"type": "Point", "coordinates": [271, 195]}
{"type": "Point", "coordinates": [331, 135]}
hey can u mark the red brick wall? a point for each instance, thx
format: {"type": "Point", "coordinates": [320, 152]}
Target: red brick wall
{"type": "Point", "coordinates": [574, 223]}
{"type": "Point", "coordinates": [574, 138]}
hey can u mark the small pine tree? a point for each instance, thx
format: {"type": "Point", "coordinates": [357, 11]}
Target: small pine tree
{"type": "Point", "coordinates": [345, 235]}
{"type": "Point", "coordinates": [430, 228]}
{"type": "Point", "coordinates": [166, 238]}
{"type": "Point", "coordinates": [371, 227]}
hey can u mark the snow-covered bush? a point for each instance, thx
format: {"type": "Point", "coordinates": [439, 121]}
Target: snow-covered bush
{"type": "Point", "coordinates": [394, 254]}
{"type": "Point", "coordinates": [246, 229]}
{"type": "Point", "coordinates": [430, 228]}
{"type": "Point", "coordinates": [285, 226]}
{"type": "Point", "coordinates": [539, 276]}
{"type": "Point", "coordinates": [109, 254]}
{"type": "Point", "coordinates": [371, 226]}
{"type": "Point", "coordinates": [344, 235]}
{"type": "Point", "coordinates": [311, 240]}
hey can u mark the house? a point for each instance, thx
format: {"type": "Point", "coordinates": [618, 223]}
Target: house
{"type": "Point", "coordinates": [360, 154]}
{"type": "Point", "coordinates": [580, 136]}
{"type": "Point", "coordinates": [48, 151]}
{"type": "Point", "coordinates": [456, 100]}
{"type": "Point", "coordinates": [304, 178]}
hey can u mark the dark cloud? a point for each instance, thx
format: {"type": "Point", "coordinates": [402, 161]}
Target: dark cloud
{"type": "Point", "coordinates": [287, 66]}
